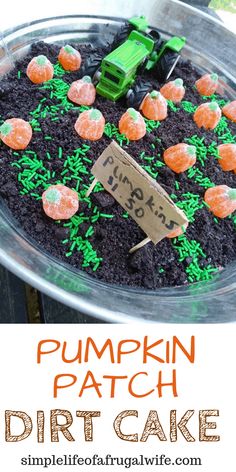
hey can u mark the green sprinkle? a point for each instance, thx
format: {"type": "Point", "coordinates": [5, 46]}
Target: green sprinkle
{"type": "Point", "coordinates": [106, 215]}
{"type": "Point", "coordinates": [89, 232]}
{"type": "Point", "coordinates": [19, 74]}
{"type": "Point", "coordinates": [199, 178]}
{"type": "Point", "coordinates": [151, 125]}
{"type": "Point", "coordinates": [190, 203]}
{"type": "Point", "coordinates": [112, 131]}
{"type": "Point", "coordinates": [15, 164]}
{"type": "Point", "coordinates": [223, 132]}
{"type": "Point", "coordinates": [86, 159]}
{"type": "Point", "coordinates": [96, 266]}
{"type": "Point", "coordinates": [188, 106]}
{"type": "Point", "coordinates": [47, 138]}
{"type": "Point", "coordinates": [72, 246]}
{"type": "Point", "coordinates": [172, 106]}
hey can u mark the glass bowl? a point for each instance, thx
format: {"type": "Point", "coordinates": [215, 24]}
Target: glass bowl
{"type": "Point", "coordinates": [210, 46]}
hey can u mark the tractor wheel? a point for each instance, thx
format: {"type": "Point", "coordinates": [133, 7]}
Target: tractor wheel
{"type": "Point", "coordinates": [166, 65]}
{"type": "Point", "coordinates": [97, 76]}
{"type": "Point", "coordinates": [121, 36]}
{"type": "Point", "coordinates": [135, 96]}
{"type": "Point", "coordinates": [90, 66]}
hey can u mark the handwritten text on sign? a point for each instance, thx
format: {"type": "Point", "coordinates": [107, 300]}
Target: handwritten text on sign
{"type": "Point", "coordinates": [140, 195]}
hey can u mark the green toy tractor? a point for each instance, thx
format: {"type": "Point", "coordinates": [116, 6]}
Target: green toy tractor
{"type": "Point", "coordinates": [135, 49]}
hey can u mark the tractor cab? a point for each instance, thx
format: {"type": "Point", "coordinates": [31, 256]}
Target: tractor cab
{"type": "Point", "coordinates": [118, 69]}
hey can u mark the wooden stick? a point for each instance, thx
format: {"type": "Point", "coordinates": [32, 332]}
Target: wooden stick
{"type": "Point", "coordinates": [90, 189]}
{"type": "Point", "coordinates": [139, 245]}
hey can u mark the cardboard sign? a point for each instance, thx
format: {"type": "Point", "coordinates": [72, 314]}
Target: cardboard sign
{"type": "Point", "coordinates": [140, 195]}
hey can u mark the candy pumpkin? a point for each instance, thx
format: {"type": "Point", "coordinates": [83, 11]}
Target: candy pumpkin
{"type": "Point", "coordinates": [173, 90]}
{"type": "Point", "coordinates": [154, 106]}
{"type": "Point", "coordinates": [60, 202]}
{"type": "Point", "coordinates": [221, 200]}
{"type": "Point", "coordinates": [180, 157]}
{"type": "Point", "coordinates": [132, 125]}
{"type": "Point", "coordinates": [40, 70]}
{"type": "Point", "coordinates": [82, 91]}
{"type": "Point", "coordinates": [207, 115]}
{"type": "Point", "coordinates": [207, 84]}
{"type": "Point", "coordinates": [16, 133]}
{"type": "Point", "coordinates": [90, 125]}
{"type": "Point", "coordinates": [227, 154]}
{"type": "Point", "coordinates": [178, 231]}
{"type": "Point", "coordinates": [229, 111]}
{"type": "Point", "coordinates": [69, 58]}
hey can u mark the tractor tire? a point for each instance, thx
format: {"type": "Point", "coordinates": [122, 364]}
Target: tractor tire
{"type": "Point", "coordinates": [97, 76]}
{"type": "Point", "coordinates": [166, 65]}
{"type": "Point", "coordinates": [90, 66]}
{"type": "Point", "coordinates": [121, 36]}
{"type": "Point", "coordinates": [135, 96]}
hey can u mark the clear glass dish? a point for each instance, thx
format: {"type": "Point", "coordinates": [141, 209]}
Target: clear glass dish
{"type": "Point", "coordinates": [210, 46]}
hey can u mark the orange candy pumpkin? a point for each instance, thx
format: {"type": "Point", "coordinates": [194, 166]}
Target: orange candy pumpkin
{"type": "Point", "coordinates": [16, 133]}
{"type": "Point", "coordinates": [207, 84]}
{"type": "Point", "coordinates": [180, 157]}
{"type": "Point", "coordinates": [154, 106]}
{"type": "Point", "coordinates": [207, 115]}
{"type": "Point", "coordinates": [178, 231]}
{"type": "Point", "coordinates": [227, 153]}
{"type": "Point", "coordinates": [69, 58]}
{"type": "Point", "coordinates": [132, 125]}
{"type": "Point", "coordinates": [82, 91]}
{"type": "Point", "coordinates": [173, 90]}
{"type": "Point", "coordinates": [90, 125]}
{"type": "Point", "coordinates": [40, 70]}
{"type": "Point", "coordinates": [221, 200]}
{"type": "Point", "coordinates": [60, 202]}
{"type": "Point", "coordinates": [229, 111]}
